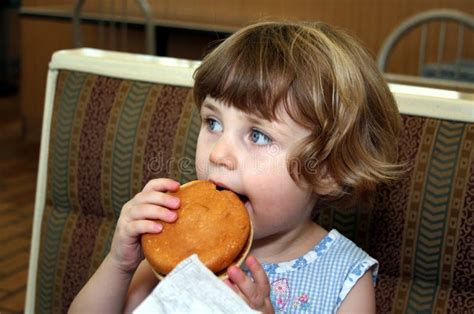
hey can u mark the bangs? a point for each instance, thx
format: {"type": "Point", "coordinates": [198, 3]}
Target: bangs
{"type": "Point", "coordinates": [253, 72]}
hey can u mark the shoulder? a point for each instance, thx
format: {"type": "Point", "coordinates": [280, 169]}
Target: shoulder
{"type": "Point", "coordinates": [361, 298]}
{"type": "Point", "coordinates": [345, 254]}
{"type": "Point", "coordinates": [326, 277]}
{"type": "Point", "coordinates": [358, 270]}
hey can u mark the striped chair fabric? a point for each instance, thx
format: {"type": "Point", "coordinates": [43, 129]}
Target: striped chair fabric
{"type": "Point", "coordinates": [108, 138]}
{"type": "Point", "coordinates": [421, 228]}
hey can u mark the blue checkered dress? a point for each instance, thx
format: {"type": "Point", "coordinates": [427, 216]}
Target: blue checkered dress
{"type": "Point", "coordinates": [319, 281]}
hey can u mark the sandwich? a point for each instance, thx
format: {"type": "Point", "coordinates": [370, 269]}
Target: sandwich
{"type": "Point", "coordinates": [212, 223]}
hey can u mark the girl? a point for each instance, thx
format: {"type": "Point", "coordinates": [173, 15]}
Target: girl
{"type": "Point", "coordinates": [295, 118]}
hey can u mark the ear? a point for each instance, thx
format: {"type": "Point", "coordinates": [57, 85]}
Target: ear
{"type": "Point", "coordinates": [327, 185]}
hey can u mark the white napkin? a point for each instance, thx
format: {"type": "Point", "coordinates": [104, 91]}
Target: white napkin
{"type": "Point", "coordinates": [192, 288]}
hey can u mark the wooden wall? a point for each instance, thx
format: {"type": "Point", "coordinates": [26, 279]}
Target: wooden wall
{"type": "Point", "coordinates": [369, 20]}
{"type": "Point", "coordinates": [38, 44]}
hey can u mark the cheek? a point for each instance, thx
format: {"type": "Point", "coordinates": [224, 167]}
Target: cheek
{"type": "Point", "coordinates": [275, 192]}
{"type": "Point", "coordinates": [264, 167]}
{"type": "Point", "coordinates": [201, 159]}
{"type": "Point", "coordinates": [269, 189]}
{"type": "Point", "coordinates": [278, 211]}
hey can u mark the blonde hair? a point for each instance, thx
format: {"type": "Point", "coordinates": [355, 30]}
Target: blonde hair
{"type": "Point", "coordinates": [327, 83]}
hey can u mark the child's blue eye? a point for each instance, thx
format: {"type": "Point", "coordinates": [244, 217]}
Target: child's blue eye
{"type": "Point", "coordinates": [259, 138]}
{"type": "Point", "coordinates": [213, 125]}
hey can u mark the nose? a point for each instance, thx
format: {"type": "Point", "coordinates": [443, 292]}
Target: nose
{"type": "Point", "coordinates": [223, 154]}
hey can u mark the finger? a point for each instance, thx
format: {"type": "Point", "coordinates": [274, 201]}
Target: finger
{"type": "Point", "coordinates": [258, 274]}
{"type": "Point", "coordinates": [245, 285]}
{"type": "Point", "coordinates": [229, 284]}
{"type": "Point", "coordinates": [139, 227]}
{"type": "Point", "coordinates": [162, 185]}
{"type": "Point", "coordinates": [156, 198]}
{"type": "Point", "coordinates": [236, 289]}
{"type": "Point", "coordinates": [151, 212]}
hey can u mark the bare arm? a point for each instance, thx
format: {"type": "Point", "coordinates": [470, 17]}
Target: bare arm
{"type": "Point", "coordinates": [111, 286]}
{"type": "Point", "coordinates": [361, 298]}
{"type": "Point", "coordinates": [97, 293]}
{"type": "Point", "coordinates": [142, 284]}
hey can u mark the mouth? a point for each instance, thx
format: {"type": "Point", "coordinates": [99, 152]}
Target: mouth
{"type": "Point", "coordinates": [243, 198]}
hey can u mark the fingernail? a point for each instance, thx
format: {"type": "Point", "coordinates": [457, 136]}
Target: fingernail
{"type": "Point", "coordinates": [233, 271]}
{"type": "Point", "coordinates": [158, 227]}
{"type": "Point", "coordinates": [174, 201]}
{"type": "Point", "coordinates": [229, 271]}
{"type": "Point", "coordinates": [172, 215]}
{"type": "Point", "coordinates": [175, 186]}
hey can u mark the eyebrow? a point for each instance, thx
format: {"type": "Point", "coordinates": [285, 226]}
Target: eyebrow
{"type": "Point", "coordinates": [254, 120]}
{"type": "Point", "coordinates": [206, 104]}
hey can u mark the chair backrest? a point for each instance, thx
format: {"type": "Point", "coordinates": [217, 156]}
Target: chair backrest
{"type": "Point", "coordinates": [459, 68]}
{"type": "Point", "coordinates": [112, 121]}
{"type": "Point", "coordinates": [421, 228]}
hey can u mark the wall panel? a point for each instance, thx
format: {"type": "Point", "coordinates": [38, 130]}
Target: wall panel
{"type": "Point", "coordinates": [369, 20]}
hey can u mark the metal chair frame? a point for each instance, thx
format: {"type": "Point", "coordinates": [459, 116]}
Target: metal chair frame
{"type": "Point", "coordinates": [422, 19]}
{"type": "Point", "coordinates": [149, 25]}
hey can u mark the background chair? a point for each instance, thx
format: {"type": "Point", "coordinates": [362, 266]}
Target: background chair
{"type": "Point", "coordinates": [114, 16]}
{"type": "Point", "coordinates": [113, 121]}
{"type": "Point", "coordinates": [457, 68]}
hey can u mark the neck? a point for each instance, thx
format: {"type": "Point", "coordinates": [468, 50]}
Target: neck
{"type": "Point", "coordinates": [289, 245]}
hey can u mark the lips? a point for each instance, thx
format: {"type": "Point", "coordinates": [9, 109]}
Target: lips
{"type": "Point", "coordinates": [221, 187]}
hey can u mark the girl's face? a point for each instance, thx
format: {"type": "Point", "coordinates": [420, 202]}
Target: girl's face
{"type": "Point", "coordinates": [248, 155]}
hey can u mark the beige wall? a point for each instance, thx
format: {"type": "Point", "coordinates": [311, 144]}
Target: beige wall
{"type": "Point", "coordinates": [370, 20]}
{"type": "Point", "coordinates": [39, 39]}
